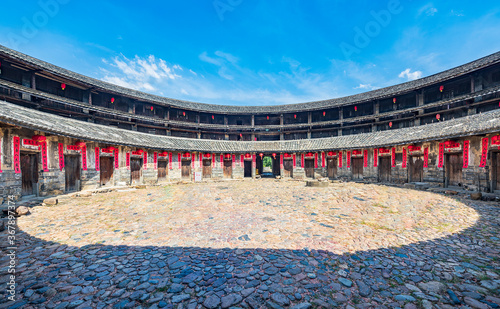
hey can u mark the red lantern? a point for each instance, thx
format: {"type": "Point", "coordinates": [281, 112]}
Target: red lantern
{"type": "Point", "coordinates": [267, 117]}
{"type": "Point", "coordinates": [355, 108]}
{"type": "Point", "coordinates": [261, 155]}
{"type": "Point", "coordinates": [151, 108]}
{"type": "Point", "coordinates": [213, 117]}
{"type": "Point", "coordinates": [390, 124]}
{"type": "Point", "coordinates": [438, 116]}
{"type": "Point", "coordinates": [274, 156]}
{"type": "Point", "coordinates": [295, 116]}
{"type": "Point", "coordinates": [63, 86]}
{"type": "Point", "coordinates": [394, 100]}
{"type": "Point", "coordinates": [184, 114]}
{"type": "Point", "coordinates": [441, 88]}
{"type": "Point", "coordinates": [112, 100]}
{"type": "Point", "coordinates": [324, 114]}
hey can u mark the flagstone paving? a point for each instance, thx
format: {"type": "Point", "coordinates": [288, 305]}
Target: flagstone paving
{"type": "Point", "coordinates": [255, 244]}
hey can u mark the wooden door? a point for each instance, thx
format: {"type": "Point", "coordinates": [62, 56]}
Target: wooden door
{"type": "Point", "coordinates": [107, 166]}
{"type": "Point", "coordinates": [496, 170]}
{"type": "Point", "coordinates": [357, 168]}
{"type": "Point", "coordinates": [453, 168]}
{"type": "Point", "coordinates": [207, 168]}
{"type": "Point", "coordinates": [228, 168]}
{"type": "Point", "coordinates": [72, 172]}
{"type": "Point", "coordinates": [162, 170]}
{"type": "Point", "coordinates": [331, 167]}
{"type": "Point", "coordinates": [309, 167]}
{"type": "Point", "coordinates": [288, 168]}
{"type": "Point", "coordinates": [29, 173]}
{"type": "Point", "coordinates": [135, 170]}
{"type": "Point", "coordinates": [416, 169]}
{"type": "Point", "coordinates": [186, 169]}
{"type": "Point", "coordinates": [276, 166]}
{"type": "Point", "coordinates": [248, 168]}
{"type": "Point", "coordinates": [384, 169]}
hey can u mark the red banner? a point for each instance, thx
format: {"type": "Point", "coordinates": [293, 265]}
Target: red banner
{"type": "Point", "coordinates": [60, 153]}
{"type": "Point", "coordinates": [375, 157]}
{"type": "Point", "coordinates": [393, 157]}
{"type": "Point", "coordinates": [254, 161]}
{"type": "Point", "coordinates": [221, 161]}
{"type": "Point", "coordinates": [302, 161]}
{"type": "Point", "coordinates": [193, 159]}
{"type": "Point", "coordinates": [73, 147]}
{"type": "Point", "coordinates": [127, 160]}
{"type": "Point", "coordinates": [201, 160]}
{"type": "Point", "coordinates": [294, 165]}
{"type": "Point", "coordinates": [403, 165]}
{"type": "Point", "coordinates": [179, 159]}
{"type": "Point", "coordinates": [365, 158]}
{"type": "Point", "coordinates": [340, 159]}
{"type": "Point", "coordinates": [348, 159]}
{"type": "Point", "coordinates": [466, 154]}
{"type": "Point", "coordinates": [234, 161]}
{"type": "Point", "coordinates": [484, 152]}
{"type": "Point", "coordinates": [117, 159]}
{"type": "Point", "coordinates": [97, 154]}
{"type": "Point", "coordinates": [213, 160]}
{"type": "Point", "coordinates": [441, 155]}
{"type": "Point", "coordinates": [323, 160]}
{"type": "Point", "coordinates": [241, 161]}
{"type": "Point", "coordinates": [45, 165]}
{"type": "Point", "coordinates": [16, 143]}
{"type": "Point", "coordinates": [315, 160]}
{"type": "Point", "coordinates": [155, 160]}
{"type": "Point", "coordinates": [84, 157]}
{"type": "Point", "coordinates": [170, 161]}
{"type": "Point", "coordinates": [145, 159]}
{"type": "Point", "coordinates": [426, 157]}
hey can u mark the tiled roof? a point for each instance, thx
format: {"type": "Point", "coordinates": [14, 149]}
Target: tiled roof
{"type": "Point", "coordinates": [52, 124]}
{"type": "Point", "coordinates": [231, 109]}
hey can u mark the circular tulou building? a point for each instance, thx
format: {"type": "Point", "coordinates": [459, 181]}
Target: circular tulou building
{"type": "Point", "coordinates": [62, 131]}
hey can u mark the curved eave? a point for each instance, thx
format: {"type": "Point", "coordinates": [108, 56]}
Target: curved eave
{"type": "Point", "coordinates": [231, 109]}
{"type": "Point", "coordinates": [12, 114]}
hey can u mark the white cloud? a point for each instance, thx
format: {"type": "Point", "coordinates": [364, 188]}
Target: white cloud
{"type": "Point", "coordinates": [366, 87]}
{"type": "Point", "coordinates": [428, 10]}
{"type": "Point", "coordinates": [410, 75]}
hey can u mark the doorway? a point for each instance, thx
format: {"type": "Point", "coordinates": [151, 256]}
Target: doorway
{"type": "Point", "coordinates": [207, 168]}
{"type": "Point", "coordinates": [331, 168]}
{"type": "Point", "coordinates": [453, 170]}
{"type": "Point", "coordinates": [135, 170]}
{"type": "Point", "coordinates": [384, 169]}
{"type": "Point", "coordinates": [495, 157]}
{"type": "Point", "coordinates": [357, 168]}
{"type": "Point", "coordinates": [162, 170]}
{"type": "Point", "coordinates": [288, 168]}
{"type": "Point", "coordinates": [228, 168]}
{"type": "Point", "coordinates": [107, 168]}
{"type": "Point", "coordinates": [72, 173]}
{"type": "Point", "coordinates": [309, 168]}
{"type": "Point", "coordinates": [186, 169]}
{"type": "Point", "coordinates": [29, 173]}
{"type": "Point", "coordinates": [247, 169]}
{"type": "Point", "coordinates": [416, 170]}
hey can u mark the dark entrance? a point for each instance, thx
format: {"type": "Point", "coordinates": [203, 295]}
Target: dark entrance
{"type": "Point", "coordinates": [416, 170]}
{"type": "Point", "coordinates": [207, 168]}
{"type": "Point", "coordinates": [186, 169]}
{"type": "Point", "coordinates": [259, 165]}
{"type": "Point", "coordinates": [162, 170]}
{"type": "Point", "coordinates": [135, 170]}
{"type": "Point", "coordinates": [309, 167]}
{"type": "Point", "coordinates": [276, 166]}
{"type": "Point", "coordinates": [384, 169]}
{"type": "Point", "coordinates": [453, 170]}
{"type": "Point", "coordinates": [72, 173]}
{"type": "Point", "coordinates": [288, 168]}
{"type": "Point", "coordinates": [107, 169]}
{"type": "Point", "coordinates": [495, 157]}
{"type": "Point", "coordinates": [357, 168]}
{"type": "Point", "coordinates": [29, 173]}
{"type": "Point", "coordinates": [248, 168]}
{"type": "Point", "coordinates": [331, 168]}
{"type": "Point", "coordinates": [228, 168]}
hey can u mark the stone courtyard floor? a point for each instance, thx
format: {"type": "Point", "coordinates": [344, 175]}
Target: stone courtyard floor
{"type": "Point", "coordinates": [253, 244]}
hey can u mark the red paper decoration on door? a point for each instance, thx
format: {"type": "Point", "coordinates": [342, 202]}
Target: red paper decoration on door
{"type": "Point", "coordinates": [97, 153]}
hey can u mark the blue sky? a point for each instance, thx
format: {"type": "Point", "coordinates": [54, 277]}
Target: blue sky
{"type": "Point", "coordinates": [243, 52]}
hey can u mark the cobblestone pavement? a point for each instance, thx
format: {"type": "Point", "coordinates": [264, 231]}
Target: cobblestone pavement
{"type": "Point", "coordinates": [259, 244]}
